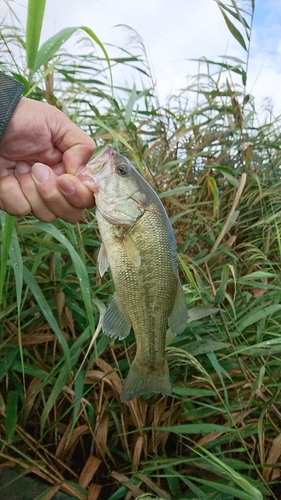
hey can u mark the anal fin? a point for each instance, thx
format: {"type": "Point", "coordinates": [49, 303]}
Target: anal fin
{"type": "Point", "coordinates": [114, 322]}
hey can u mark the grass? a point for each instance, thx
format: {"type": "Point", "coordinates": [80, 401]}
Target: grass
{"type": "Point", "coordinates": [217, 171]}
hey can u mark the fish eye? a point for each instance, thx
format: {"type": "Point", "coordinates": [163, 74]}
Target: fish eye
{"type": "Point", "coordinates": [122, 169]}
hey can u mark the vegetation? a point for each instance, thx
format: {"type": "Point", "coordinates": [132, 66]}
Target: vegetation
{"type": "Point", "coordinates": [217, 170]}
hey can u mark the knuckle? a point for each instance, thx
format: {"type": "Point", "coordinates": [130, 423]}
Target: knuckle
{"type": "Point", "coordinates": [46, 217]}
{"type": "Point", "coordinates": [18, 212]}
{"type": "Point", "coordinates": [70, 215]}
{"type": "Point", "coordinates": [15, 204]}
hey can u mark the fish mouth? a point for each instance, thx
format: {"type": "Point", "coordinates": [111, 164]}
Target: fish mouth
{"type": "Point", "coordinates": [97, 169]}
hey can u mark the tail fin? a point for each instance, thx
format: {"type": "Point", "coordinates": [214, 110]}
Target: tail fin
{"type": "Point", "coordinates": [141, 380]}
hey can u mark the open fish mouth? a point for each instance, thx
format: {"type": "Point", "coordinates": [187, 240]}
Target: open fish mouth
{"type": "Point", "coordinates": [98, 168]}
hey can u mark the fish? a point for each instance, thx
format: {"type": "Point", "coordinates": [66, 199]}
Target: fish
{"type": "Point", "coordinates": [139, 247]}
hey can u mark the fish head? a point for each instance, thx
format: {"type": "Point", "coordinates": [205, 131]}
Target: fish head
{"type": "Point", "coordinates": [117, 187]}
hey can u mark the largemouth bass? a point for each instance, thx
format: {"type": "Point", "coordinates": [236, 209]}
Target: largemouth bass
{"type": "Point", "coordinates": [138, 245]}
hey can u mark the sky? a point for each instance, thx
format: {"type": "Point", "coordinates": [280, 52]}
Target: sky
{"type": "Point", "coordinates": [174, 32]}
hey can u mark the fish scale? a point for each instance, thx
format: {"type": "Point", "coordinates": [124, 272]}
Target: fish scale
{"type": "Point", "coordinates": [138, 245]}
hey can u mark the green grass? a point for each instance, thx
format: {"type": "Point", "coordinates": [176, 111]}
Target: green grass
{"type": "Point", "coordinates": [217, 171]}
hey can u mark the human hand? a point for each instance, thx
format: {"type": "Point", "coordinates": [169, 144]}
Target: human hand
{"type": "Point", "coordinates": [38, 132]}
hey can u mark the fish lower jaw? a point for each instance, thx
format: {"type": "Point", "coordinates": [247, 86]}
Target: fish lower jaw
{"type": "Point", "coordinates": [88, 180]}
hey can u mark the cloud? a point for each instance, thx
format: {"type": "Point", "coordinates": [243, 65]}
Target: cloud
{"type": "Point", "coordinates": [175, 31]}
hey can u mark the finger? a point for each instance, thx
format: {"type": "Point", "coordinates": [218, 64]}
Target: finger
{"type": "Point", "coordinates": [77, 156]}
{"type": "Point", "coordinates": [59, 168]}
{"type": "Point", "coordinates": [75, 192]}
{"type": "Point", "coordinates": [45, 180]}
{"type": "Point", "coordinates": [28, 135]}
{"type": "Point", "coordinates": [6, 166]}
{"type": "Point", "coordinates": [38, 206]}
{"type": "Point", "coordinates": [12, 199]}
{"type": "Point", "coordinates": [77, 147]}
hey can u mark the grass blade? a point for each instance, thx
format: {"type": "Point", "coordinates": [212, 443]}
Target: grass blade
{"type": "Point", "coordinates": [17, 265]}
{"type": "Point", "coordinates": [11, 415]}
{"type": "Point", "coordinates": [251, 492]}
{"type": "Point", "coordinates": [79, 267]}
{"type": "Point", "coordinates": [54, 43]}
{"type": "Point", "coordinates": [98, 42]}
{"type": "Point", "coordinates": [78, 393]}
{"type": "Point", "coordinates": [196, 428]}
{"type": "Point", "coordinates": [233, 30]}
{"type": "Point", "coordinates": [35, 15]}
{"type": "Point", "coordinates": [51, 46]}
{"type": "Point", "coordinates": [7, 223]}
{"type": "Point", "coordinates": [229, 490]}
{"type": "Point", "coordinates": [56, 391]}
{"type": "Point", "coordinates": [46, 310]}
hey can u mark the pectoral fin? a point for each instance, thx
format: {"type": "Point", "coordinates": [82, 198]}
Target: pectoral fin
{"type": "Point", "coordinates": [102, 260]}
{"type": "Point", "coordinates": [114, 322]}
{"type": "Point", "coordinates": [131, 250]}
{"type": "Point", "coordinates": [178, 319]}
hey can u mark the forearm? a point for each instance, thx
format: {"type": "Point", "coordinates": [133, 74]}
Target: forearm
{"type": "Point", "coordinates": [10, 94]}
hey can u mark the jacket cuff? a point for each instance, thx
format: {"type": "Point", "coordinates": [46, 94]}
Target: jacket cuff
{"type": "Point", "coordinates": [10, 94]}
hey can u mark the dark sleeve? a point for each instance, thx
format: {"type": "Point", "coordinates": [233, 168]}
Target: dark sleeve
{"type": "Point", "coordinates": [10, 94]}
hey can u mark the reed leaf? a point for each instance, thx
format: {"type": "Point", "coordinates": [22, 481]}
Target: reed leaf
{"type": "Point", "coordinates": [7, 226]}
{"type": "Point", "coordinates": [34, 22]}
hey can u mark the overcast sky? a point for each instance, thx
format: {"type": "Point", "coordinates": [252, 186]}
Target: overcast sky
{"type": "Point", "coordinates": [175, 31]}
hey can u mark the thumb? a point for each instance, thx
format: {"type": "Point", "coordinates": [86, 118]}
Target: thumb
{"type": "Point", "coordinates": [79, 154]}
{"type": "Point", "coordinates": [76, 146]}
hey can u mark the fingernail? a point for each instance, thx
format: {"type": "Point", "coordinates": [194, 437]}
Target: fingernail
{"type": "Point", "coordinates": [22, 167]}
{"type": "Point", "coordinates": [66, 186]}
{"type": "Point", "coordinates": [40, 172]}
